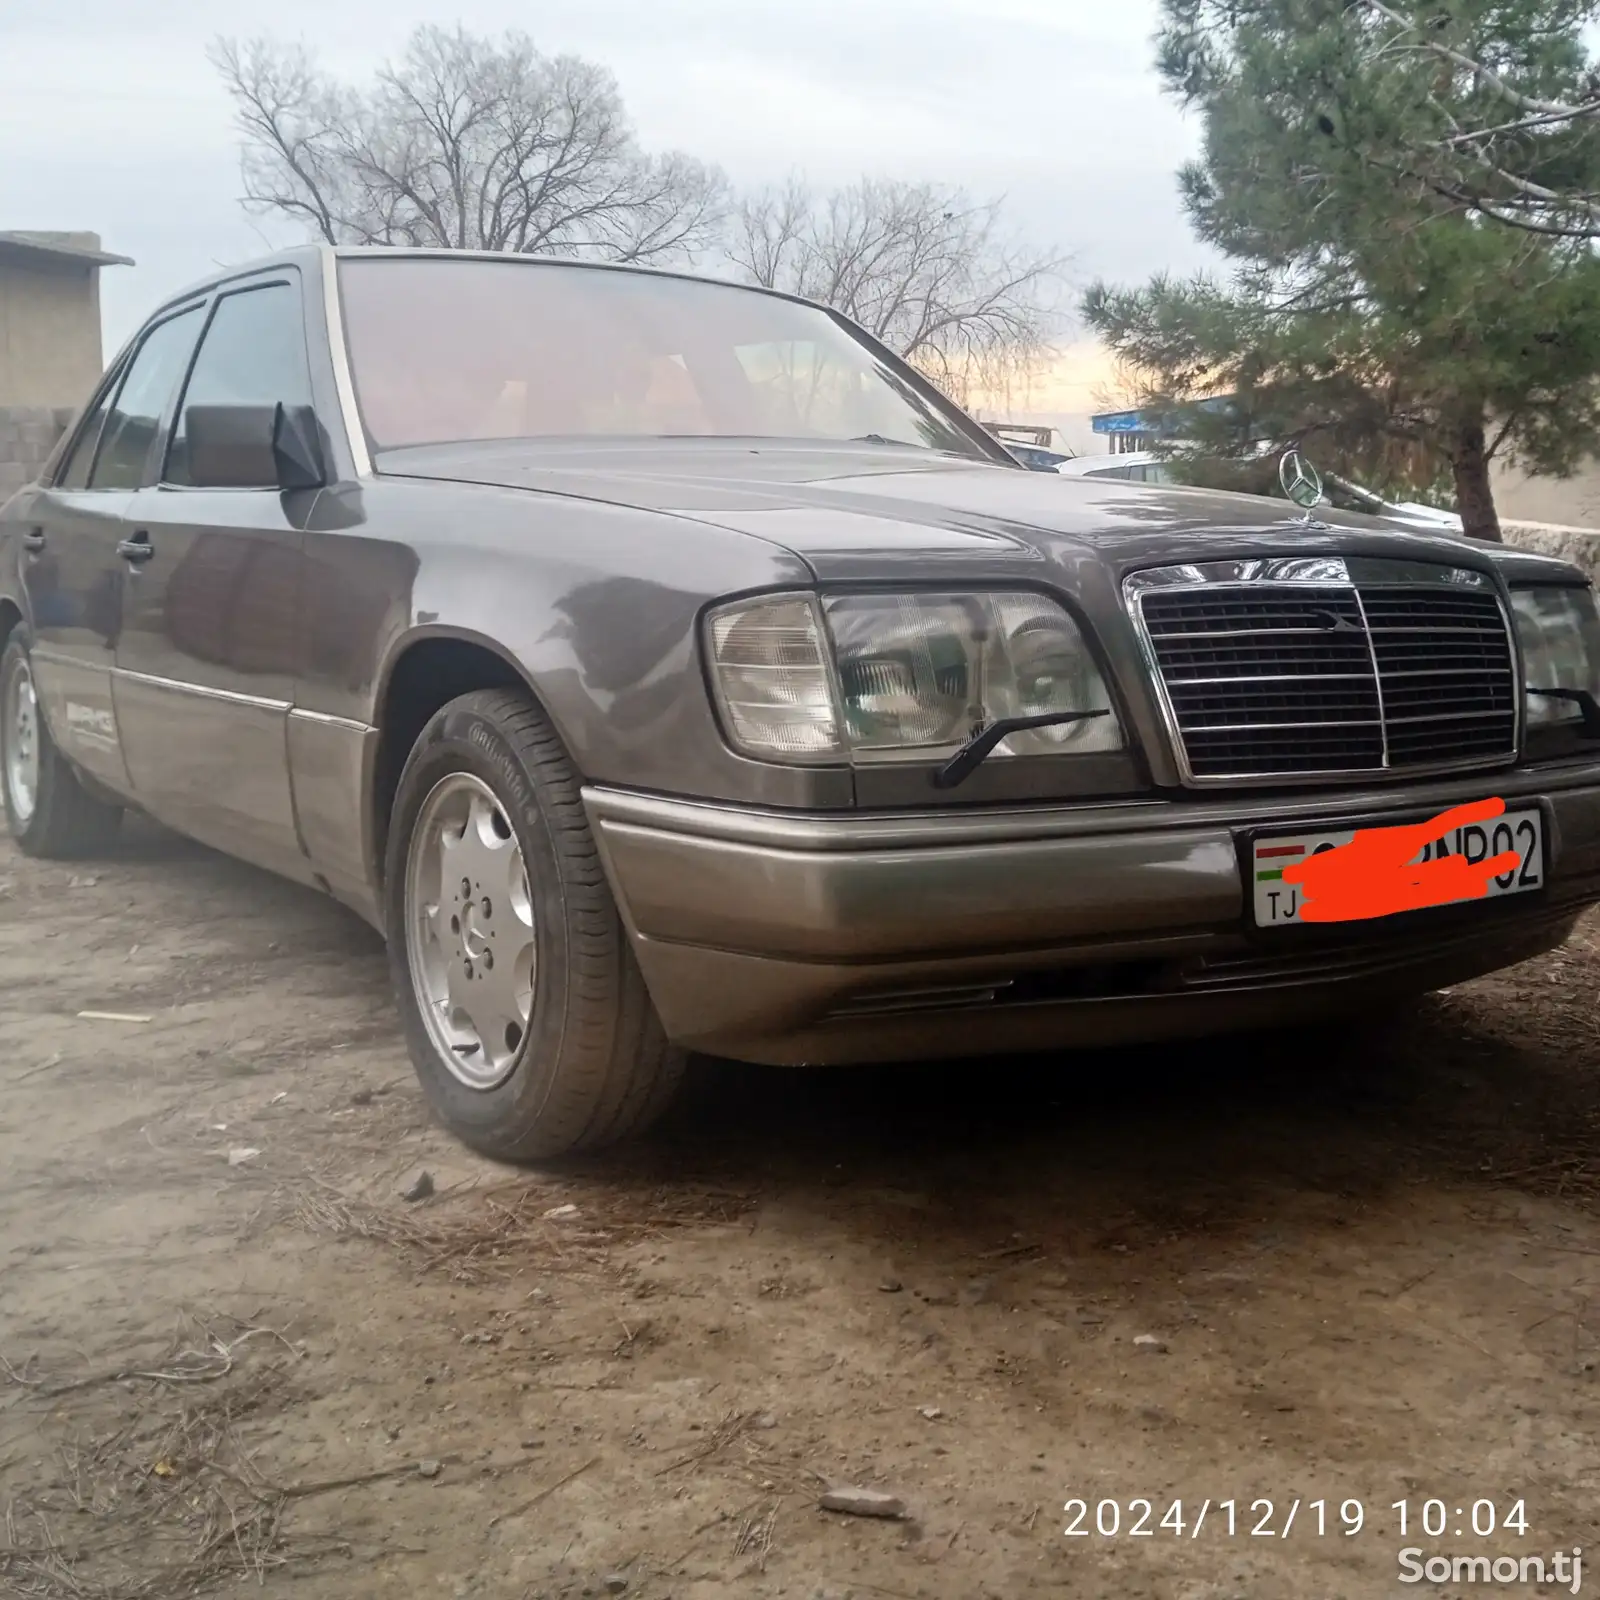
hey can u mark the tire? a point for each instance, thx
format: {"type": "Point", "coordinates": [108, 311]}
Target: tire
{"type": "Point", "coordinates": [48, 811]}
{"type": "Point", "coordinates": [592, 1064]}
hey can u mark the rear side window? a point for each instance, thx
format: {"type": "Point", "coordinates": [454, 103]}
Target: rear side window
{"type": "Point", "coordinates": [253, 354]}
{"type": "Point", "coordinates": [135, 418]}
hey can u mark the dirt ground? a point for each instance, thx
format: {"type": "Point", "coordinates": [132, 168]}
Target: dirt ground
{"type": "Point", "coordinates": [236, 1360]}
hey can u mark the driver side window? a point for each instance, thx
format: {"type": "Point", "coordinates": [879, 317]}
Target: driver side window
{"type": "Point", "coordinates": [253, 354]}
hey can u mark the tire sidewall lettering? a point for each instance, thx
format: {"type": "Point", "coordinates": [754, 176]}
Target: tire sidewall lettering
{"type": "Point", "coordinates": [487, 741]}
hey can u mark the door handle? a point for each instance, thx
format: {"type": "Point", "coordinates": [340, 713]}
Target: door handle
{"type": "Point", "coordinates": [33, 539]}
{"type": "Point", "coordinates": [138, 549]}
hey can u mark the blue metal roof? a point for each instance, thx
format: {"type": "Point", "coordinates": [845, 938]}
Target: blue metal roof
{"type": "Point", "coordinates": [1138, 422]}
{"type": "Point", "coordinates": [1119, 422]}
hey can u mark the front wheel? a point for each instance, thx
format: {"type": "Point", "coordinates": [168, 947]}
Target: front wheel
{"type": "Point", "coordinates": [525, 1013]}
{"type": "Point", "coordinates": [48, 812]}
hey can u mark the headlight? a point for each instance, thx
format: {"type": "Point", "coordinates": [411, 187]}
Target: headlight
{"type": "Point", "coordinates": [1559, 631]}
{"type": "Point", "coordinates": [884, 677]}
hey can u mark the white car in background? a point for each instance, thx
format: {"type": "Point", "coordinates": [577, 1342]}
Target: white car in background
{"type": "Point", "coordinates": [1145, 466]}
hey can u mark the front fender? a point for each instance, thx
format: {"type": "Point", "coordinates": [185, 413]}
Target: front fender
{"type": "Point", "coordinates": [596, 607]}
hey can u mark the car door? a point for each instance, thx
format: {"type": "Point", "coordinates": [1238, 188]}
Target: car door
{"type": "Point", "coordinates": [207, 656]}
{"type": "Point", "coordinates": [72, 574]}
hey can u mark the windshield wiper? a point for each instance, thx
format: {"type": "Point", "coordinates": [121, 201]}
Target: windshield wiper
{"type": "Point", "coordinates": [878, 438]}
{"type": "Point", "coordinates": [971, 755]}
{"type": "Point", "coordinates": [1583, 700]}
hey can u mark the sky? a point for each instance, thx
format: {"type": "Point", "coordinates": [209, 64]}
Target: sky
{"type": "Point", "coordinates": [113, 120]}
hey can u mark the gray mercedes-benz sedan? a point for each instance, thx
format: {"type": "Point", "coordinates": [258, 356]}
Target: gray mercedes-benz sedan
{"type": "Point", "coordinates": [662, 665]}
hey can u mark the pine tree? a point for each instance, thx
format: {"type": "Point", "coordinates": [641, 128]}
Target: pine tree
{"type": "Point", "coordinates": [1407, 334]}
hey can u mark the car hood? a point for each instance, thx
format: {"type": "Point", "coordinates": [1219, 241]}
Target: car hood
{"type": "Point", "coordinates": [855, 511]}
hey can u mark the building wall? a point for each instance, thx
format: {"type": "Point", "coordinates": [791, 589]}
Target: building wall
{"type": "Point", "coordinates": [49, 333]}
{"type": "Point", "coordinates": [27, 436]}
{"type": "Point", "coordinates": [1571, 502]}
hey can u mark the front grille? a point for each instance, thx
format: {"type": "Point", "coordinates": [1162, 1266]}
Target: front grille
{"type": "Point", "coordinates": [1393, 671]}
{"type": "Point", "coordinates": [1444, 660]}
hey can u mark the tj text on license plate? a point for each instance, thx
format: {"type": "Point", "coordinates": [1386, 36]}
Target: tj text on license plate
{"type": "Point", "coordinates": [1278, 904]}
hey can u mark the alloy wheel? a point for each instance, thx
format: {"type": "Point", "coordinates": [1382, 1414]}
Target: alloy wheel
{"type": "Point", "coordinates": [19, 741]}
{"type": "Point", "coordinates": [470, 940]}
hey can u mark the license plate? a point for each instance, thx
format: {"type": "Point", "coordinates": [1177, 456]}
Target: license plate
{"type": "Point", "coordinates": [1278, 904]}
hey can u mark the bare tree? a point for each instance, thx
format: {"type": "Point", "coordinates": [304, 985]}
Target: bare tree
{"type": "Point", "coordinates": [923, 268]}
{"type": "Point", "coordinates": [463, 143]}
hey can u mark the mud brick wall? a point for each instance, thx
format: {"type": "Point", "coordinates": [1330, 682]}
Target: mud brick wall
{"type": "Point", "coordinates": [27, 436]}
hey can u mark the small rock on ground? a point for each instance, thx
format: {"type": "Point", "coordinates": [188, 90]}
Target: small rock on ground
{"type": "Point", "coordinates": [419, 1188]}
{"type": "Point", "coordinates": [857, 1502]}
{"type": "Point", "coordinates": [1149, 1343]}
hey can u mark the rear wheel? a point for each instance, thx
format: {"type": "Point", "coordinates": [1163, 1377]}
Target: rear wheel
{"type": "Point", "coordinates": [525, 1013]}
{"type": "Point", "coordinates": [48, 811]}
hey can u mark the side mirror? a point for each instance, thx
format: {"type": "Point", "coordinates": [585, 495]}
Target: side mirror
{"type": "Point", "coordinates": [253, 447]}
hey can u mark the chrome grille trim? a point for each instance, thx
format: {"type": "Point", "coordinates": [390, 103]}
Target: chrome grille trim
{"type": "Point", "coordinates": [1309, 704]}
{"type": "Point", "coordinates": [1377, 677]}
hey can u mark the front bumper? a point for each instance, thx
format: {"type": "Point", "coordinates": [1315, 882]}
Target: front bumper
{"type": "Point", "coordinates": [787, 938]}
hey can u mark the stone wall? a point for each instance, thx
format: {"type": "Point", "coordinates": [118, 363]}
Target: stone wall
{"type": "Point", "coordinates": [1581, 546]}
{"type": "Point", "coordinates": [27, 436]}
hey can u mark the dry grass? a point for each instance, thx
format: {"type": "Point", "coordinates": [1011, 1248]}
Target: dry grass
{"type": "Point", "coordinates": [167, 1498]}
{"type": "Point", "coordinates": [754, 1538]}
{"type": "Point", "coordinates": [478, 1234]}
{"type": "Point", "coordinates": [468, 1243]}
{"type": "Point", "coordinates": [155, 1507]}
{"type": "Point", "coordinates": [198, 1354]}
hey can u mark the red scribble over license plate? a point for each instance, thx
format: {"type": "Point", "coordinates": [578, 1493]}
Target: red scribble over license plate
{"type": "Point", "coordinates": [1471, 852]}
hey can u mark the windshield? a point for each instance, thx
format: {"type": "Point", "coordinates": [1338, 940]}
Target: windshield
{"type": "Point", "coordinates": [444, 350]}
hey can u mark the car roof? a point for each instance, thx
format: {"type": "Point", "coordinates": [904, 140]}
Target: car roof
{"type": "Point", "coordinates": [309, 255]}
{"type": "Point", "coordinates": [321, 257]}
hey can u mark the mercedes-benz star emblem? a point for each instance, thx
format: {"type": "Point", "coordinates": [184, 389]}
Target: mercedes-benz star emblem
{"type": "Point", "coordinates": [1301, 481]}
{"type": "Point", "coordinates": [1332, 622]}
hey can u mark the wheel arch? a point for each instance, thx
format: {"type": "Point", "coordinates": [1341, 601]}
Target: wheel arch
{"type": "Point", "coordinates": [428, 669]}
